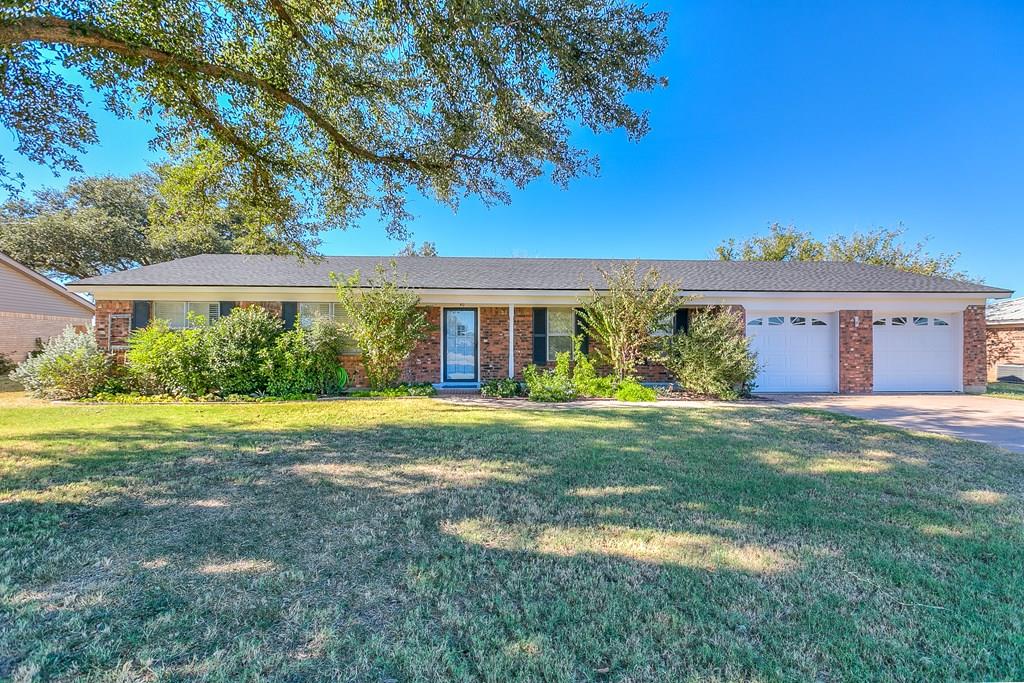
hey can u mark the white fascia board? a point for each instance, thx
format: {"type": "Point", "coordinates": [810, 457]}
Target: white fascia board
{"type": "Point", "coordinates": [755, 301]}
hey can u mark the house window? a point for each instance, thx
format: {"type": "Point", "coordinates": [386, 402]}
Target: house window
{"type": "Point", "coordinates": [311, 311]}
{"type": "Point", "coordinates": [666, 328]}
{"type": "Point", "coordinates": [756, 322]}
{"type": "Point", "coordinates": [560, 327]}
{"type": "Point", "coordinates": [939, 322]}
{"type": "Point", "coordinates": [899, 320]}
{"type": "Point", "coordinates": [776, 320]}
{"type": "Point", "coordinates": [798, 320]}
{"type": "Point", "coordinates": [920, 321]}
{"type": "Point", "coordinates": [819, 322]}
{"type": "Point", "coordinates": [880, 322]}
{"type": "Point", "coordinates": [178, 313]}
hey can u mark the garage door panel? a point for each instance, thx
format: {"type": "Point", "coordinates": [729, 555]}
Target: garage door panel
{"type": "Point", "coordinates": [916, 353]}
{"type": "Point", "coordinates": [794, 353]}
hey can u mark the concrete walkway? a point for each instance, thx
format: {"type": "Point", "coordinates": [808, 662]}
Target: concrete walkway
{"type": "Point", "coordinates": [998, 421]}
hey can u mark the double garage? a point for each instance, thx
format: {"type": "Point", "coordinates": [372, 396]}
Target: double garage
{"type": "Point", "coordinates": [799, 352]}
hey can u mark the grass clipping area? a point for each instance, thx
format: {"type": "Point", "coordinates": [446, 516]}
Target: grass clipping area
{"type": "Point", "coordinates": [422, 541]}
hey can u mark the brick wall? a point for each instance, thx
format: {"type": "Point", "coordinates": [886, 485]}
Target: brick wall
{"type": "Point", "coordinates": [112, 333]}
{"type": "Point", "coordinates": [1004, 344]}
{"type": "Point", "coordinates": [856, 352]}
{"type": "Point", "coordinates": [975, 364]}
{"type": "Point", "coordinates": [424, 364]}
{"type": "Point", "coordinates": [493, 342]}
{"type": "Point", "coordinates": [522, 352]}
{"type": "Point", "coordinates": [19, 331]}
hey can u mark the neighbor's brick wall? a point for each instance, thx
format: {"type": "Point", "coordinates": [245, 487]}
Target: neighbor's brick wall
{"type": "Point", "coordinates": [1004, 344]}
{"type": "Point", "coordinates": [856, 352]}
{"type": "Point", "coordinates": [19, 331]}
{"type": "Point", "coordinates": [975, 364]}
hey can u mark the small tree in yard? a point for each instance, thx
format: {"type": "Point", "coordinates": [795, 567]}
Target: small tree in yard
{"type": "Point", "coordinates": [383, 318]}
{"type": "Point", "coordinates": [622, 320]}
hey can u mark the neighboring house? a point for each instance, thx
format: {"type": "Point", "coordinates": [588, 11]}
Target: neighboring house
{"type": "Point", "coordinates": [1005, 334]}
{"type": "Point", "coordinates": [33, 307]}
{"type": "Point", "coordinates": [817, 327]}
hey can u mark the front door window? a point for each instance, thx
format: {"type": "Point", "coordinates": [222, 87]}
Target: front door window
{"type": "Point", "coordinates": [460, 345]}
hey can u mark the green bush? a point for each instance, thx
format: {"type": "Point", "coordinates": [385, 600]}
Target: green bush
{"type": "Point", "coordinates": [550, 386]}
{"type": "Point", "coordinates": [237, 346]}
{"type": "Point", "coordinates": [585, 378]}
{"type": "Point", "coordinates": [714, 357]}
{"type": "Point", "coordinates": [630, 389]}
{"type": "Point", "coordinates": [506, 387]}
{"type": "Point", "coordinates": [305, 361]}
{"type": "Point", "coordinates": [165, 361]}
{"type": "Point", "coordinates": [71, 365]}
{"type": "Point", "coordinates": [6, 364]}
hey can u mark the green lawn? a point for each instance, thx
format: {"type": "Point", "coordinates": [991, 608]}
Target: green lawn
{"type": "Point", "coordinates": [1005, 390]}
{"type": "Point", "coordinates": [417, 540]}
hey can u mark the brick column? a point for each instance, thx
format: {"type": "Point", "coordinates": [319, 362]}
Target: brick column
{"type": "Point", "coordinates": [112, 332]}
{"type": "Point", "coordinates": [856, 352]}
{"type": "Point", "coordinates": [975, 364]}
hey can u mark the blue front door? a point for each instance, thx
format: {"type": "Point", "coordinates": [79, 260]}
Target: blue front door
{"type": "Point", "coordinates": [460, 345]}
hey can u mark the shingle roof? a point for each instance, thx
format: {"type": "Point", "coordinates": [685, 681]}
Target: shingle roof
{"type": "Point", "coordinates": [1009, 311]}
{"type": "Point", "coordinates": [454, 272]}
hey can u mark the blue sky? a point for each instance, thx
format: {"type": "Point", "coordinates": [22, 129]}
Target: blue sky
{"type": "Point", "coordinates": [830, 116]}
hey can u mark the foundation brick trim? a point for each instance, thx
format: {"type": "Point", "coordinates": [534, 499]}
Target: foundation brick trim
{"type": "Point", "coordinates": [975, 363]}
{"type": "Point", "coordinates": [856, 352]}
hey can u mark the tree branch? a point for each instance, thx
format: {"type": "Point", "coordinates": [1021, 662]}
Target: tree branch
{"type": "Point", "coordinates": [50, 29]}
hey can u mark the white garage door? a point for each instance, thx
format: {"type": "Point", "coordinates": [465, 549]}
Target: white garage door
{"type": "Point", "coordinates": [794, 352]}
{"type": "Point", "coordinates": [916, 353]}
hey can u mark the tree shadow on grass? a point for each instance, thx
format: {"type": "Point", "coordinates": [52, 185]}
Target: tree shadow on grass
{"type": "Point", "coordinates": [375, 542]}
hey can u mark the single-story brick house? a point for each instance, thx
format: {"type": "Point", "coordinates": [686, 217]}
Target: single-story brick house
{"type": "Point", "coordinates": [817, 327]}
{"type": "Point", "coordinates": [34, 308]}
{"type": "Point", "coordinates": [1005, 334]}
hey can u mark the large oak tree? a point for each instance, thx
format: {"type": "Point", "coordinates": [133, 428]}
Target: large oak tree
{"type": "Point", "coordinates": [334, 106]}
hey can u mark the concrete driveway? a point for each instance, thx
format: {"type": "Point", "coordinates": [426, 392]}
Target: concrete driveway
{"type": "Point", "coordinates": [998, 421]}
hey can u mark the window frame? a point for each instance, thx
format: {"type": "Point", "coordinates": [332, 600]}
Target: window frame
{"type": "Point", "coordinates": [349, 346]}
{"type": "Point", "coordinates": [572, 331]}
{"type": "Point", "coordinates": [186, 307]}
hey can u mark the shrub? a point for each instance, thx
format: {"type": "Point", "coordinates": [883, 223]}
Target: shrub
{"type": "Point", "coordinates": [506, 387]}
{"type": "Point", "coordinates": [305, 361]}
{"type": "Point", "coordinates": [384, 320]}
{"type": "Point", "coordinates": [630, 389]}
{"type": "Point", "coordinates": [237, 346]}
{"type": "Point", "coordinates": [71, 365]}
{"type": "Point", "coordinates": [164, 361]}
{"type": "Point", "coordinates": [6, 364]}
{"type": "Point", "coordinates": [714, 358]}
{"type": "Point", "coordinates": [585, 378]}
{"type": "Point", "coordinates": [553, 385]}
